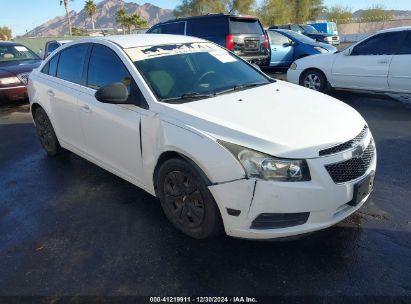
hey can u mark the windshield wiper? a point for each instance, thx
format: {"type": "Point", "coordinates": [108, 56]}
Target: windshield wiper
{"type": "Point", "coordinates": [190, 95]}
{"type": "Point", "coordinates": [242, 87]}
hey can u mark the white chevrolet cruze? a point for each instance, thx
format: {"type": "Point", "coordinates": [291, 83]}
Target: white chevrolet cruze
{"type": "Point", "coordinates": [379, 63]}
{"type": "Point", "coordinates": [221, 145]}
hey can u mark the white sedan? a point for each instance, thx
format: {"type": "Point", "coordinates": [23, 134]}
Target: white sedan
{"type": "Point", "coordinates": [221, 145]}
{"type": "Point", "coordinates": [379, 63]}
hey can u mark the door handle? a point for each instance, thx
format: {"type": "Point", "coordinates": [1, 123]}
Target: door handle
{"type": "Point", "coordinates": [50, 93]}
{"type": "Point", "coordinates": [86, 108]}
{"type": "Point", "coordinates": [383, 61]}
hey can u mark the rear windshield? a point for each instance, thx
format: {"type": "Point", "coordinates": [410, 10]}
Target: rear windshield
{"type": "Point", "coordinates": [245, 26]}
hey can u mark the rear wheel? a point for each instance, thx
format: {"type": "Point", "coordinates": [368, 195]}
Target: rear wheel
{"type": "Point", "coordinates": [186, 200]}
{"type": "Point", "coordinates": [314, 80]}
{"type": "Point", "coordinates": [45, 131]}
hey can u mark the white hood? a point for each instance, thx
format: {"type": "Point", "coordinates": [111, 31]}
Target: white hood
{"type": "Point", "coordinates": [279, 119]}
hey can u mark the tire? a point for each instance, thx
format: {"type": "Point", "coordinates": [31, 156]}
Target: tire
{"type": "Point", "coordinates": [46, 134]}
{"type": "Point", "coordinates": [186, 200]}
{"type": "Point", "coordinates": [314, 80]}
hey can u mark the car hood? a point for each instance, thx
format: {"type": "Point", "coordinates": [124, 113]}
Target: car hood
{"type": "Point", "coordinates": [318, 35]}
{"type": "Point", "coordinates": [11, 68]}
{"type": "Point", "coordinates": [279, 119]}
{"type": "Point", "coordinates": [326, 46]}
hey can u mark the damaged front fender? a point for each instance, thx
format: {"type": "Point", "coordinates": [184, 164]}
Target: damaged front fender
{"type": "Point", "coordinates": [159, 136]}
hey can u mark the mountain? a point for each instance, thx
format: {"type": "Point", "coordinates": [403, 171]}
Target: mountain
{"type": "Point", "coordinates": [397, 14]}
{"type": "Point", "coordinates": [105, 17]}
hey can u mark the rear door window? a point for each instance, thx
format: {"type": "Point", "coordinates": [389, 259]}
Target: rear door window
{"type": "Point", "coordinates": [245, 26]}
{"type": "Point", "coordinates": [406, 45]}
{"type": "Point", "coordinates": [70, 65]}
{"type": "Point", "coordinates": [156, 30]}
{"type": "Point", "coordinates": [277, 38]}
{"type": "Point", "coordinates": [205, 27]}
{"type": "Point", "coordinates": [175, 28]}
{"type": "Point", "coordinates": [51, 67]}
{"type": "Point", "coordinates": [381, 44]}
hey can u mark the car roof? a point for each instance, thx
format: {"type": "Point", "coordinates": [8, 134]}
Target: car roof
{"type": "Point", "coordinates": [396, 29]}
{"type": "Point", "coordinates": [8, 43]}
{"type": "Point", "coordinates": [208, 16]}
{"type": "Point", "coordinates": [136, 40]}
{"type": "Point", "coordinates": [285, 31]}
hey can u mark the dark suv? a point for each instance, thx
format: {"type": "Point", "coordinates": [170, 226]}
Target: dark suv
{"type": "Point", "coordinates": [309, 31]}
{"type": "Point", "coordinates": [243, 35]}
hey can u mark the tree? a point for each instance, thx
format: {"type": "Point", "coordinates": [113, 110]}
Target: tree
{"type": "Point", "coordinates": [135, 21]}
{"type": "Point", "coordinates": [278, 12]}
{"type": "Point", "coordinates": [5, 33]}
{"type": "Point", "coordinates": [200, 7]}
{"type": "Point", "coordinates": [65, 2]}
{"type": "Point", "coordinates": [376, 13]}
{"type": "Point", "coordinates": [339, 14]}
{"type": "Point", "coordinates": [78, 31]}
{"type": "Point", "coordinates": [302, 9]}
{"type": "Point", "coordinates": [275, 12]}
{"type": "Point", "coordinates": [241, 6]}
{"type": "Point", "coordinates": [129, 21]}
{"type": "Point", "coordinates": [317, 9]}
{"type": "Point", "coordinates": [91, 9]}
{"type": "Point", "coordinates": [121, 18]}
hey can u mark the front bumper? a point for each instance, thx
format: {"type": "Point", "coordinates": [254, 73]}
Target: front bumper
{"type": "Point", "coordinates": [326, 201]}
{"type": "Point", "coordinates": [8, 94]}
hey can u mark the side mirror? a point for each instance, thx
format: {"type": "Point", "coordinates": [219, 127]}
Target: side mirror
{"type": "Point", "coordinates": [289, 43]}
{"type": "Point", "coordinates": [115, 93]}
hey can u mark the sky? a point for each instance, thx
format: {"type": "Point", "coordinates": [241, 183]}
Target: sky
{"type": "Point", "coordinates": [22, 15]}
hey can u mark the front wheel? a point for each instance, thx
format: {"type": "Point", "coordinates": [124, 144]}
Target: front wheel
{"type": "Point", "coordinates": [314, 80]}
{"type": "Point", "coordinates": [186, 200]}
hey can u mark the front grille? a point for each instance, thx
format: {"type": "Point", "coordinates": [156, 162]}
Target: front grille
{"type": "Point", "coordinates": [335, 38]}
{"type": "Point", "coordinates": [23, 77]}
{"type": "Point", "coordinates": [347, 145]}
{"type": "Point", "coordinates": [353, 168]}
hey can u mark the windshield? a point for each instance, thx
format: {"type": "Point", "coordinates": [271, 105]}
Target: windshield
{"type": "Point", "coordinates": [16, 53]}
{"type": "Point", "coordinates": [245, 26]}
{"type": "Point", "coordinates": [300, 37]}
{"type": "Point", "coordinates": [309, 29]}
{"type": "Point", "coordinates": [179, 73]}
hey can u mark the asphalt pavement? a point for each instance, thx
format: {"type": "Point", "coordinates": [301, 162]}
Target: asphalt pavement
{"type": "Point", "coordinates": [68, 227]}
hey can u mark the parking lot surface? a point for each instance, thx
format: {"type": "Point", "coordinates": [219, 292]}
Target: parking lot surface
{"type": "Point", "coordinates": [71, 228]}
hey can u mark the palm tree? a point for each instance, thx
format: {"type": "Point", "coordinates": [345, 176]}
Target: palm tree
{"type": "Point", "coordinates": [91, 8]}
{"type": "Point", "coordinates": [121, 17]}
{"type": "Point", "coordinates": [135, 21]}
{"type": "Point", "coordinates": [65, 2]}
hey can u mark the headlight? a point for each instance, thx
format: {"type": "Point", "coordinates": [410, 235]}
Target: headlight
{"type": "Point", "coordinates": [9, 80]}
{"type": "Point", "coordinates": [321, 50]}
{"type": "Point", "coordinates": [293, 66]}
{"type": "Point", "coordinates": [263, 166]}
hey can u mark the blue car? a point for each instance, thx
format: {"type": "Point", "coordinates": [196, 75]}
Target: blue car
{"type": "Point", "coordinates": [286, 46]}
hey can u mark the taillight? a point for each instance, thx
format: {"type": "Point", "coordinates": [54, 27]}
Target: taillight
{"type": "Point", "coordinates": [266, 41]}
{"type": "Point", "coordinates": [230, 42]}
